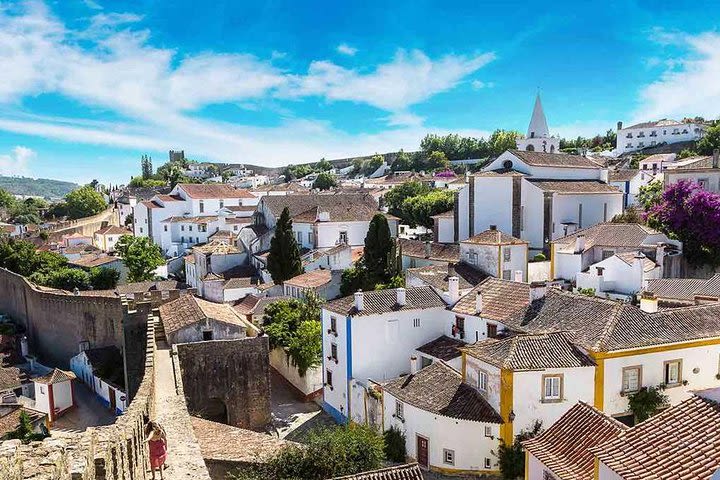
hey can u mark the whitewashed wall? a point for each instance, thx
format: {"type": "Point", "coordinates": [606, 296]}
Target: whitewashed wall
{"type": "Point", "coordinates": [308, 384]}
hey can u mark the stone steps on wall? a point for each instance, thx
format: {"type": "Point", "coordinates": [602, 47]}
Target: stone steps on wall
{"type": "Point", "coordinates": [160, 332]}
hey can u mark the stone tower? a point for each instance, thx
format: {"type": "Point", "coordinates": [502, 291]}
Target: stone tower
{"type": "Point", "coordinates": [538, 137]}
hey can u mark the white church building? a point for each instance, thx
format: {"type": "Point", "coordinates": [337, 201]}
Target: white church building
{"type": "Point", "coordinates": [533, 193]}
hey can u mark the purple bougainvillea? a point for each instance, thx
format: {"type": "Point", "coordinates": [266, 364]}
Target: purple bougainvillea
{"type": "Point", "coordinates": [691, 214]}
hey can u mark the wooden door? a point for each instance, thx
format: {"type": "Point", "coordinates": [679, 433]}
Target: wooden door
{"type": "Point", "coordinates": [422, 451]}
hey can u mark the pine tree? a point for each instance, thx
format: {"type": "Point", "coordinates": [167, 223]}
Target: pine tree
{"type": "Point", "coordinates": [147, 168]}
{"type": "Point", "coordinates": [379, 250]}
{"type": "Point", "coordinates": [284, 259]}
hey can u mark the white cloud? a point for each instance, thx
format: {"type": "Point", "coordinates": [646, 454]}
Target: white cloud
{"type": "Point", "coordinates": [346, 49]}
{"type": "Point", "coordinates": [17, 162]}
{"type": "Point", "coordinates": [689, 86]}
{"type": "Point", "coordinates": [112, 65]}
{"type": "Point", "coordinates": [92, 4]}
{"type": "Point", "coordinates": [479, 84]}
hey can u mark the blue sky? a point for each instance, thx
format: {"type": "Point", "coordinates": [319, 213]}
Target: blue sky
{"type": "Point", "coordinates": [90, 85]}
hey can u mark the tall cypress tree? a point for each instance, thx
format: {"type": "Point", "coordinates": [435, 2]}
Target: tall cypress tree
{"type": "Point", "coordinates": [379, 248]}
{"type": "Point", "coordinates": [284, 257]}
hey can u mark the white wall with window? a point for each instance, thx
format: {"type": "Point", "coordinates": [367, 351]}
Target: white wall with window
{"type": "Point", "coordinates": [698, 366]}
{"type": "Point", "coordinates": [453, 444]}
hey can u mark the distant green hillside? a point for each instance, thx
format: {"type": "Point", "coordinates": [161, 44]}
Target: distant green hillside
{"type": "Point", "coordinates": [43, 187]}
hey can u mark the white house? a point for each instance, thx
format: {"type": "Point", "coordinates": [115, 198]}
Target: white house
{"type": "Point", "coordinates": [538, 137]}
{"type": "Point", "coordinates": [101, 369]}
{"type": "Point", "coordinates": [371, 335]}
{"type": "Point", "coordinates": [323, 221]}
{"type": "Point", "coordinates": [578, 251]}
{"type": "Point", "coordinates": [629, 182]}
{"type": "Point", "coordinates": [211, 261]}
{"type": "Point", "coordinates": [648, 134]}
{"type": "Point", "coordinates": [564, 449]}
{"type": "Point", "coordinates": [496, 253]}
{"type": "Point", "coordinates": [106, 238]}
{"type": "Point", "coordinates": [418, 253]}
{"type": "Point", "coordinates": [324, 283]}
{"type": "Point", "coordinates": [620, 276]}
{"type": "Point", "coordinates": [449, 426]}
{"type": "Point", "coordinates": [191, 319]}
{"type": "Point", "coordinates": [189, 214]}
{"type": "Point", "coordinates": [704, 171]}
{"type": "Point", "coordinates": [534, 196]}
{"type": "Point", "coordinates": [658, 162]}
{"type": "Point", "coordinates": [54, 393]}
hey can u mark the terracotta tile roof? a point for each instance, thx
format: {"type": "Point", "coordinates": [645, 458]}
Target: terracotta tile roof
{"type": "Point", "coordinates": [564, 448]}
{"type": "Point", "coordinates": [437, 275]}
{"type": "Point", "coordinates": [623, 175]}
{"type": "Point", "coordinates": [448, 214]}
{"type": "Point", "coordinates": [629, 235]}
{"type": "Point", "coordinates": [169, 198]}
{"type": "Point", "coordinates": [219, 441]}
{"type": "Point", "coordinates": [675, 288]}
{"type": "Point", "coordinates": [341, 207]}
{"type": "Point", "coordinates": [682, 442]}
{"type": "Point", "coordinates": [94, 260]}
{"type": "Point", "coordinates": [606, 325]}
{"type": "Point", "coordinates": [542, 159]}
{"type": "Point", "coordinates": [494, 237]}
{"type": "Point", "coordinates": [629, 258]}
{"type": "Point", "coordinates": [530, 352]}
{"type": "Point", "coordinates": [444, 252]}
{"type": "Point", "coordinates": [254, 305]}
{"type": "Point", "coordinates": [150, 204]}
{"type": "Point", "coordinates": [574, 186]}
{"type": "Point", "coordinates": [217, 247]}
{"type": "Point", "coordinates": [383, 301]}
{"type": "Point", "coordinates": [56, 376]}
{"type": "Point", "coordinates": [445, 348]}
{"type": "Point", "coordinates": [241, 208]}
{"type": "Point", "coordinates": [113, 230]}
{"type": "Point", "coordinates": [313, 279]}
{"type": "Point", "coordinates": [213, 190]}
{"type": "Point", "coordinates": [711, 288]}
{"type": "Point", "coordinates": [410, 471]}
{"type": "Point", "coordinates": [10, 421]}
{"type": "Point", "coordinates": [694, 163]}
{"type": "Point", "coordinates": [501, 299]}
{"type": "Point", "coordinates": [188, 310]}
{"type": "Point", "coordinates": [439, 389]}
{"type": "Point", "coordinates": [81, 248]}
{"type": "Point", "coordinates": [11, 377]}
{"type": "Point", "coordinates": [142, 287]}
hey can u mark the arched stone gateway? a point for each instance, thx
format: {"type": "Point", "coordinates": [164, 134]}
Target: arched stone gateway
{"type": "Point", "coordinates": [215, 410]}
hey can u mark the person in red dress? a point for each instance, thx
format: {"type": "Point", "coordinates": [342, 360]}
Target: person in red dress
{"type": "Point", "coordinates": [157, 444]}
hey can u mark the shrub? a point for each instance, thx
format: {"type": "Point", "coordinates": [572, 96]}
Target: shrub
{"type": "Point", "coordinates": [540, 257]}
{"type": "Point", "coordinates": [394, 445]}
{"type": "Point", "coordinates": [512, 457]}
{"type": "Point", "coordinates": [646, 402]}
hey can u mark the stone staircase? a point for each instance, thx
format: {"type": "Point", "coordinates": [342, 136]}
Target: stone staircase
{"type": "Point", "coordinates": [160, 332]}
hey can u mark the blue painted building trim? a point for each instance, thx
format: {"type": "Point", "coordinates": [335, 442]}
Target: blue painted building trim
{"type": "Point", "coordinates": [334, 413]}
{"type": "Point", "coordinates": [348, 359]}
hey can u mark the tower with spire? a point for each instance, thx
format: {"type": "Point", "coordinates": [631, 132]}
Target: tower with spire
{"type": "Point", "coordinates": [538, 137]}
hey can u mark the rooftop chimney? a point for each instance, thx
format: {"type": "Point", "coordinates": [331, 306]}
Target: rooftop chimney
{"type": "Point", "coordinates": [648, 302]}
{"type": "Point", "coordinates": [451, 270]}
{"type": "Point", "coordinates": [493, 227]}
{"type": "Point", "coordinates": [359, 301]}
{"type": "Point", "coordinates": [604, 175]}
{"type": "Point", "coordinates": [619, 126]}
{"type": "Point", "coordinates": [428, 249]}
{"type": "Point", "coordinates": [414, 367]}
{"type": "Point", "coordinates": [478, 303]}
{"type": "Point", "coordinates": [454, 289]}
{"type": "Point", "coordinates": [400, 296]}
{"type": "Point", "coordinates": [580, 243]}
{"type": "Point", "coordinates": [537, 290]}
{"type": "Point", "coordinates": [519, 276]}
{"type": "Point", "coordinates": [715, 158]}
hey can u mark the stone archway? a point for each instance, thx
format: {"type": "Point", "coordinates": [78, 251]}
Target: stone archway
{"type": "Point", "coordinates": [215, 410]}
{"type": "Point", "coordinates": [530, 148]}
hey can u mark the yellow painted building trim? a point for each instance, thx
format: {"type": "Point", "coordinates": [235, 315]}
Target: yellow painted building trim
{"type": "Point", "coordinates": [656, 349]}
{"type": "Point", "coordinates": [464, 366]}
{"type": "Point", "coordinates": [552, 261]}
{"type": "Point", "coordinates": [506, 405]}
{"type": "Point", "coordinates": [596, 473]}
{"type": "Point", "coordinates": [458, 471]}
{"type": "Point", "coordinates": [599, 383]}
{"type": "Point", "coordinates": [527, 465]}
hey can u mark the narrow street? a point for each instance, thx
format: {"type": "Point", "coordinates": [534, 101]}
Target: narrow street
{"type": "Point", "coordinates": [88, 412]}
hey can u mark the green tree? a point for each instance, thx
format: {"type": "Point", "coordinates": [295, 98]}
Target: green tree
{"type": "Point", "coordinates": [710, 141]}
{"type": "Point", "coordinates": [437, 161]}
{"type": "Point", "coordinates": [378, 246]}
{"type": "Point", "coordinates": [324, 181]}
{"type": "Point", "coordinates": [686, 153]}
{"type": "Point", "coordinates": [630, 215]}
{"type": "Point", "coordinates": [512, 457]}
{"type": "Point", "coordinates": [646, 402]}
{"type": "Point", "coordinates": [419, 210]}
{"type": "Point", "coordinates": [284, 260]}
{"type": "Point", "coordinates": [141, 257]}
{"type": "Point", "coordinates": [396, 196]}
{"type": "Point", "coordinates": [68, 279]}
{"type": "Point", "coordinates": [147, 168]}
{"type": "Point", "coordinates": [394, 445]}
{"type": "Point", "coordinates": [353, 279]}
{"type": "Point", "coordinates": [369, 166]}
{"type": "Point", "coordinates": [502, 140]}
{"type": "Point", "coordinates": [328, 453]}
{"type": "Point", "coordinates": [323, 165]}
{"type": "Point", "coordinates": [7, 199]}
{"type": "Point", "coordinates": [104, 278]}
{"type": "Point", "coordinates": [24, 430]}
{"type": "Point", "coordinates": [403, 162]}
{"type": "Point", "coordinates": [140, 182]}
{"type": "Point", "coordinates": [84, 202]}
{"type": "Point", "coordinates": [305, 347]}
{"type": "Point", "coordinates": [650, 195]}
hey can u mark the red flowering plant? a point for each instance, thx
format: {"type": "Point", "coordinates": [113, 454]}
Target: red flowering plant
{"type": "Point", "coordinates": [692, 215]}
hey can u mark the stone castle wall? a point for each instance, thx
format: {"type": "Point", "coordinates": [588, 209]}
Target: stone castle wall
{"type": "Point", "coordinates": [116, 452]}
{"type": "Point", "coordinates": [231, 371]}
{"type": "Point", "coordinates": [57, 322]}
